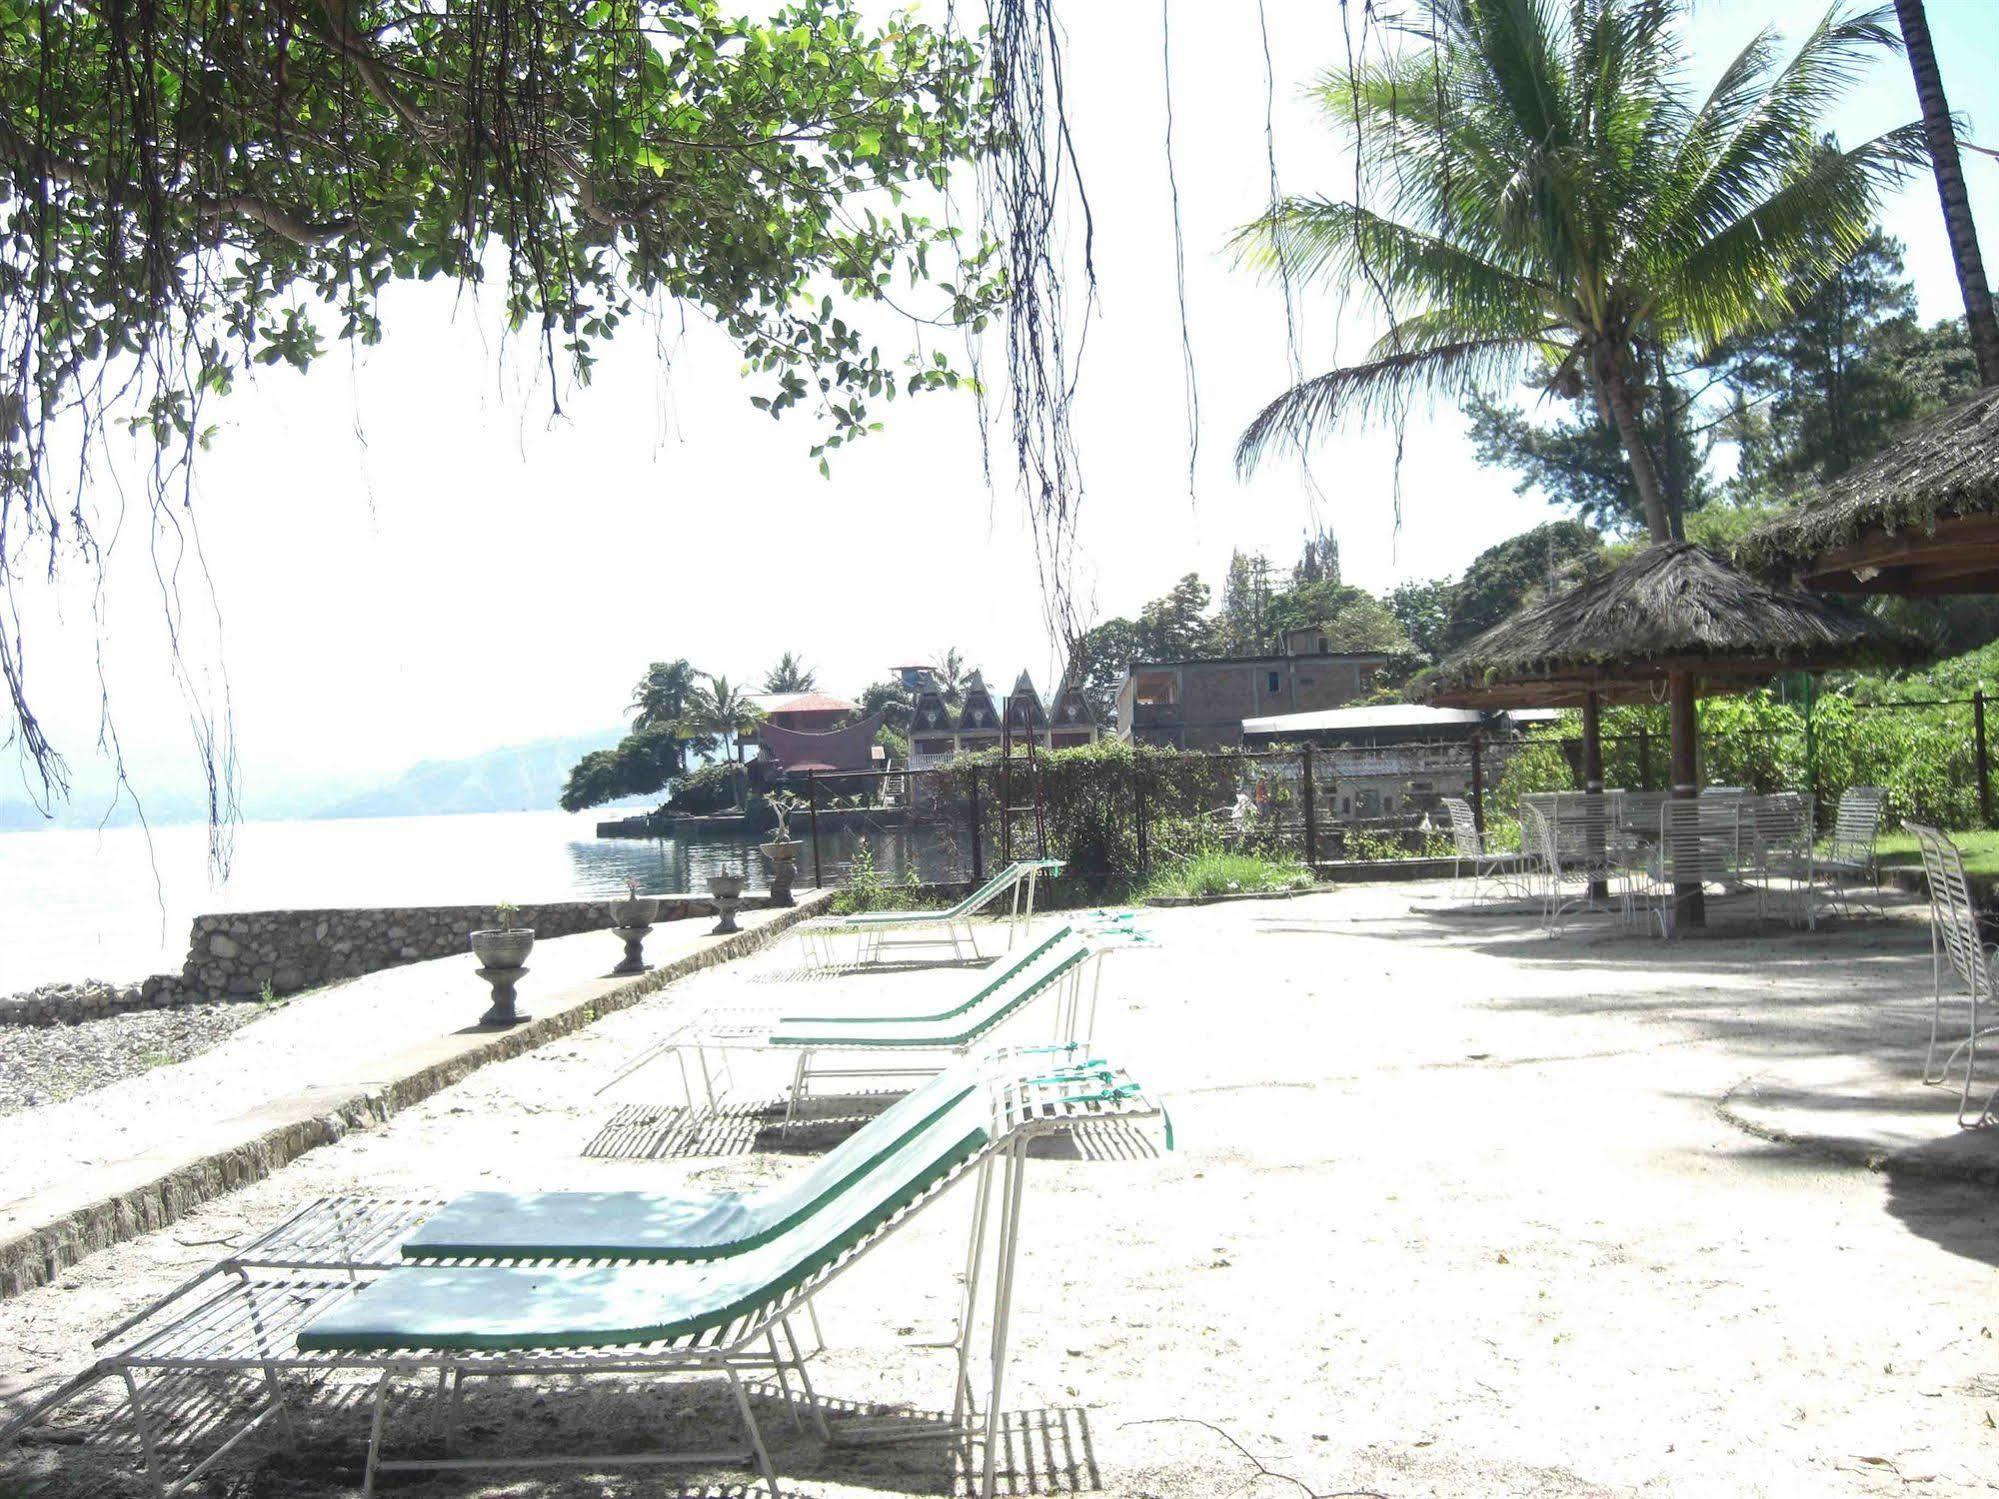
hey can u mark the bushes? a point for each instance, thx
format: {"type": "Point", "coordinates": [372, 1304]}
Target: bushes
{"type": "Point", "coordinates": [1214, 872]}
{"type": "Point", "coordinates": [1922, 756]}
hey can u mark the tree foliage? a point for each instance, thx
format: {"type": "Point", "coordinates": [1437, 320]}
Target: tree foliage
{"type": "Point", "coordinates": [791, 674]}
{"type": "Point", "coordinates": [1537, 195]}
{"type": "Point", "coordinates": [189, 189]}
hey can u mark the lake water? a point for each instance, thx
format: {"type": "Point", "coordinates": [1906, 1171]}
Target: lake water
{"type": "Point", "coordinates": [107, 905]}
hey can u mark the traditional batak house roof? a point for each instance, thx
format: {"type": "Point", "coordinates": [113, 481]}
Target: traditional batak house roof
{"type": "Point", "coordinates": [1026, 716]}
{"type": "Point", "coordinates": [1071, 722]}
{"type": "Point", "coordinates": [933, 737]}
{"type": "Point", "coordinates": [831, 752]}
{"type": "Point", "coordinates": [978, 719]}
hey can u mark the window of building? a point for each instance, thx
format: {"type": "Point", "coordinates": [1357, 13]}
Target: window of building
{"type": "Point", "coordinates": [1157, 690]}
{"type": "Point", "coordinates": [1325, 646]}
{"type": "Point", "coordinates": [1272, 676]}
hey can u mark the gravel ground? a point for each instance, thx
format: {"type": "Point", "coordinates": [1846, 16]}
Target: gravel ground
{"type": "Point", "coordinates": [45, 1064]}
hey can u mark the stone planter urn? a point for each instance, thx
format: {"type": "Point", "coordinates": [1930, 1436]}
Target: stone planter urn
{"type": "Point", "coordinates": [782, 855]}
{"type": "Point", "coordinates": [727, 889]}
{"type": "Point", "coordinates": [632, 919]}
{"type": "Point", "coordinates": [502, 953]}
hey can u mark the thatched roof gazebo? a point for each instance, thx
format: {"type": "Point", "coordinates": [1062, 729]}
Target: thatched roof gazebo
{"type": "Point", "coordinates": [1674, 621]}
{"type": "Point", "coordinates": [1919, 517]}
{"type": "Point", "coordinates": [1674, 609]}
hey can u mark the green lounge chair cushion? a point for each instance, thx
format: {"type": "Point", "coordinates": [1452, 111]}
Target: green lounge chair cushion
{"type": "Point", "coordinates": [984, 992]}
{"type": "Point", "coordinates": [669, 1226]}
{"type": "Point", "coordinates": [573, 1306]}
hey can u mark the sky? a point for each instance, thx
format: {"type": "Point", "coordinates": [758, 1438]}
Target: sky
{"type": "Point", "coordinates": [412, 558]}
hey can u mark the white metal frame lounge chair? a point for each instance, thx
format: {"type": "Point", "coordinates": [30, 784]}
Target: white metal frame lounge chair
{"type": "Point", "coordinates": [879, 931]}
{"type": "Point", "coordinates": [274, 1316]}
{"type": "Point", "coordinates": [1050, 975]}
{"type": "Point", "coordinates": [1956, 940]}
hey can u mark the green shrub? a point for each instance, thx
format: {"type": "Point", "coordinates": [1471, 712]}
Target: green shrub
{"type": "Point", "coordinates": [1219, 872]}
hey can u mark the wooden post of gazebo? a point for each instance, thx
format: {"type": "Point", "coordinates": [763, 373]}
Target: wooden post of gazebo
{"type": "Point", "coordinates": [1599, 889]}
{"type": "Point", "coordinates": [1689, 905]}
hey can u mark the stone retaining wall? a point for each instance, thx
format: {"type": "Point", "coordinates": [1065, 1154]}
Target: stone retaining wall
{"type": "Point", "coordinates": [234, 955]}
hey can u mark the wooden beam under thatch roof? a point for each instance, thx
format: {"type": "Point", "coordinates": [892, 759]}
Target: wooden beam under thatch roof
{"type": "Point", "coordinates": [1919, 517]}
{"type": "Point", "coordinates": [1674, 608]}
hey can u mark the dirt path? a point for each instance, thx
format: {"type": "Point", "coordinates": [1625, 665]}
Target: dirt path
{"type": "Point", "coordinates": [1453, 1212]}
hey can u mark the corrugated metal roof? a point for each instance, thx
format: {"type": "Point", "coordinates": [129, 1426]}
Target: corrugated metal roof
{"type": "Point", "coordinates": [1378, 716]}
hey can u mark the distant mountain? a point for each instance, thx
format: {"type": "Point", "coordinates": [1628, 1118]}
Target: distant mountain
{"type": "Point", "coordinates": [520, 778]}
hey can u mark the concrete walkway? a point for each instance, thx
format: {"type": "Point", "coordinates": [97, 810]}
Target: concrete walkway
{"type": "Point", "coordinates": [131, 1157]}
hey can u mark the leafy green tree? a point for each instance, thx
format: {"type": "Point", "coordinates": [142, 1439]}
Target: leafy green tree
{"type": "Point", "coordinates": [891, 700]}
{"type": "Point", "coordinates": [646, 761]}
{"type": "Point", "coordinates": [1424, 611]}
{"type": "Point", "coordinates": [1241, 627]}
{"type": "Point", "coordinates": [1308, 605]}
{"type": "Point", "coordinates": [1175, 626]}
{"type": "Point", "coordinates": [1504, 577]}
{"type": "Point", "coordinates": [791, 674]}
{"type": "Point", "coordinates": [1099, 662]}
{"type": "Point", "coordinates": [1576, 460]}
{"type": "Point", "coordinates": [188, 190]}
{"type": "Point", "coordinates": [1320, 561]}
{"type": "Point", "coordinates": [1834, 380]}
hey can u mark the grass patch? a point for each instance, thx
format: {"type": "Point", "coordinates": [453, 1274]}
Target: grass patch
{"type": "Point", "coordinates": [1980, 850]}
{"type": "Point", "coordinates": [1216, 873]}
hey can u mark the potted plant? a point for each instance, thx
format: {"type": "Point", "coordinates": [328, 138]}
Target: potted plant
{"type": "Point", "coordinates": [782, 850]}
{"type": "Point", "coordinates": [504, 944]}
{"type": "Point", "coordinates": [634, 909]}
{"type": "Point", "coordinates": [631, 919]}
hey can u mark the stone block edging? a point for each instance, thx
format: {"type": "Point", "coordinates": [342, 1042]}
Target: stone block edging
{"type": "Point", "coordinates": [43, 1252]}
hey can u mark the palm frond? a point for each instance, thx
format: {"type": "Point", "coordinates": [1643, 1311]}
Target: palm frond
{"type": "Point", "coordinates": [1747, 141]}
{"type": "Point", "coordinates": [1301, 415]}
{"type": "Point", "coordinates": [1758, 266]}
{"type": "Point", "coordinates": [1320, 239]}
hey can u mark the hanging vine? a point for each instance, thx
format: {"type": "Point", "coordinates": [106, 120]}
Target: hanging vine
{"type": "Point", "coordinates": [191, 188]}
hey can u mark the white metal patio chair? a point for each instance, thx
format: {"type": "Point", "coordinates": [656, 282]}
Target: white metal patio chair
{"type": "Point", "coordinates": [1955, 939]}
{"type": "Point", "coordinates": [1474, 869]}
{"type": "Point", "coordinates": [1850, 859]}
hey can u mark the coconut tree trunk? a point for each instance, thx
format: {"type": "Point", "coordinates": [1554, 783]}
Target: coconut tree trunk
{"type": "Point", "coordinates": [1663, 523]}
{"type": "Point", "coordinates": [1979, 320]}
{"type": "Point", "coordinates": [1608, 367]}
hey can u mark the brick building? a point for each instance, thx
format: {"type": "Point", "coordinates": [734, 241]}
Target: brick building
{"type": "Point", "coordinates": [1201, 704]}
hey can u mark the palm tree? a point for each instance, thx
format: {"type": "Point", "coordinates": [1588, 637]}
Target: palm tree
{"type": "Point", "coordinates": [1941, 134]}
{"type": "Point", "coordinates": [660, 698]}
{"type": "Point", "coordinates": [1551, 201]}
{"type": "Point", "coordinates": [949, 671]}
{"type": "Point", "coordinates": [791, 674]}
{"type": "Point", "coordinates": [718, 709]}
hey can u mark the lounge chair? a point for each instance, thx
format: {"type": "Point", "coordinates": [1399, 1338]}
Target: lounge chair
{"type": "Point", "coordinates": [713, 1225]}
{"type": "Point", "coordinates": [720, 1318]}
{"type": "Point", "coordinates": [951, 927]}
{"type": "Point", "coordinates": [1049, 973]}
